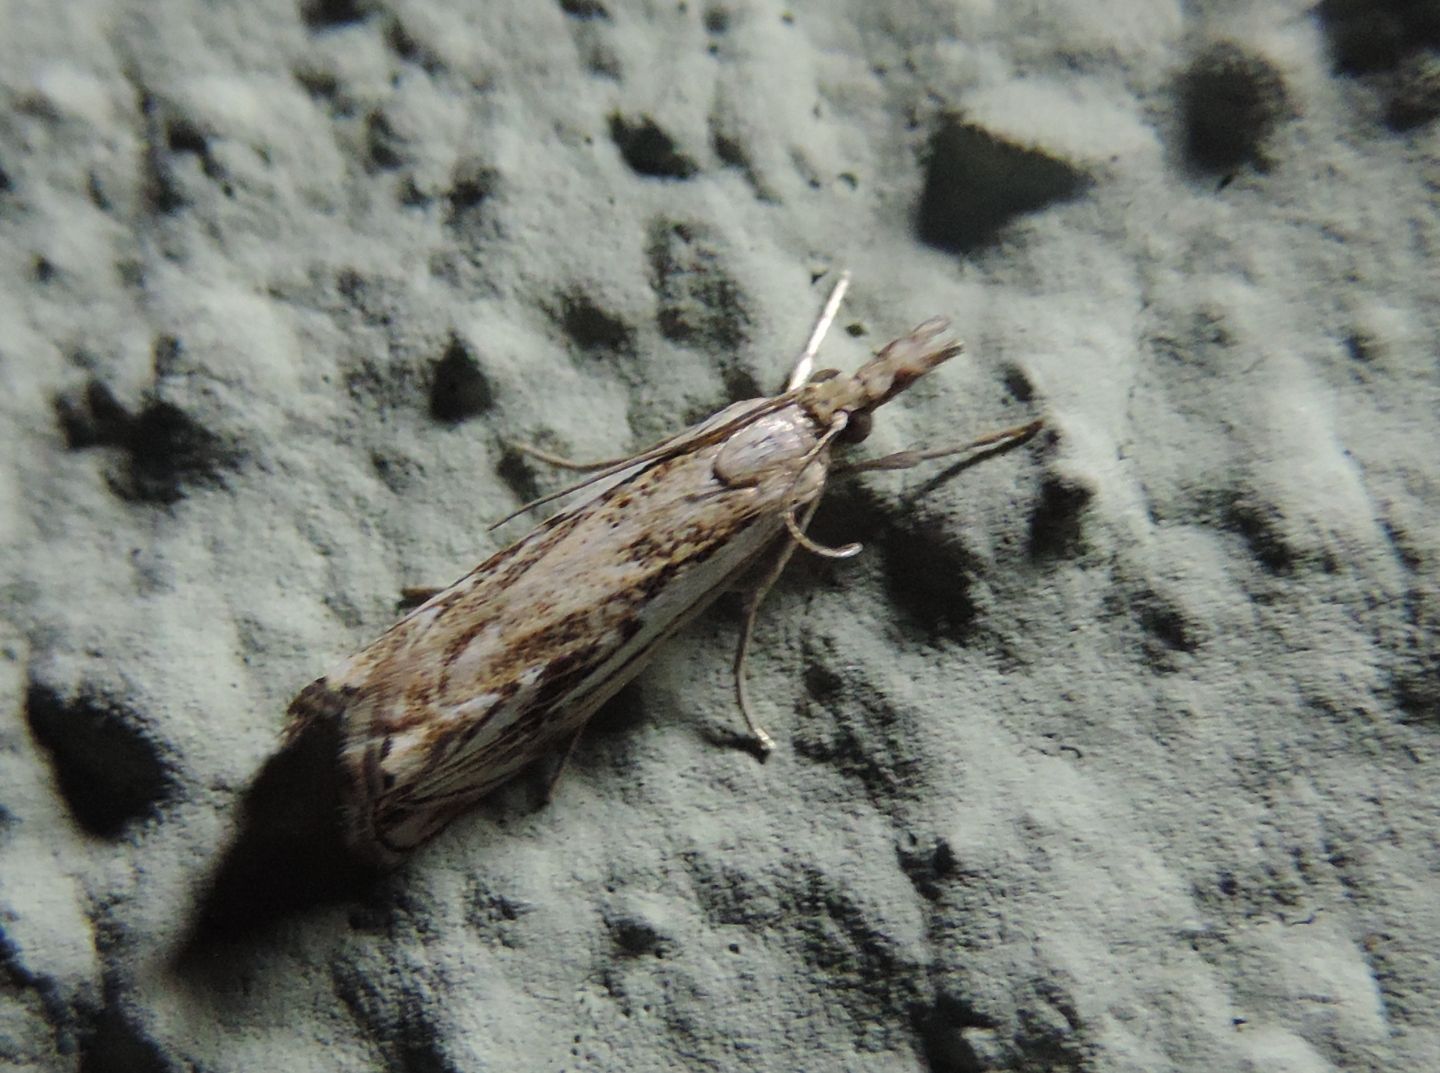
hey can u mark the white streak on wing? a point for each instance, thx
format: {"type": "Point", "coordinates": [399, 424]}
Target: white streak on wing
{"type": "Point", "coordinates": [471, 663]}
{"type": "Point", "coordinates": [494, 723]}
{"type": "Point", "coordinates": [662, 616]}
{"type": "Point", "coordinates": [672, 608]}
{"type": "Point", "coordinates": [509, 713]}
{"type": "Point", "coordinates": [477, 707]}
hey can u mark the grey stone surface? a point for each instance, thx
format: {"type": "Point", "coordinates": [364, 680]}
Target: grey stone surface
{"type": "Point", "coordinates": [1118, 752]}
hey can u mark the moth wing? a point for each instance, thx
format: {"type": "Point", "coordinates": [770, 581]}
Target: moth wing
{"type": "Point", "coordinates": [713, 428]}
{"type": "Point", "coordinates": [410, 761]}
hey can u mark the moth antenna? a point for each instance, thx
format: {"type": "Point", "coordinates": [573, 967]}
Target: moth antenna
{"type": "Point", "coordinates": [806, 363]}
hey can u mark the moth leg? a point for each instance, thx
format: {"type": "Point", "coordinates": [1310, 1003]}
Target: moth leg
{"type": "Point", "coordinates": [560, 461]}
{"type": "Point", "coordinates": [763, 741]}
{"type": "Point", "coordinates": [792, 516]}
{"type": "Point", "coordinates": [412, 596]}
{"type": "Point", "coordinates": [554, 779]}
{"type": "Point", "coordinates": [797, 534]}
{"type": "Point", "coordinates": [995, 441]}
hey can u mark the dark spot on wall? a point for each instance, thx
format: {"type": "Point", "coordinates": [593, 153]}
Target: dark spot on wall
{"type": "Point", "coordinates": [459, 389]}
{"type": "Point", "coordinates": [861, 734]}
{"type": "Point", "coordinates": [170, 136]}
{"type": "Point", "coordinates": [621, 713]}
{"type": "Point", "coordinates": [108, 768]}
{"type": "Point", "coordinates": [471, 188]}
{"type": "Point", "coordinates": [165, 451]}
{"type": "Point", "coordinates": [635, 936]}
{"type": "Point", "coordinates": [384, 146]}
{"type": "Point", "coordinates": [167, 353]}
{"type": "Point", "coordinates": [321, 15]}
{"type": "Point", "coordinates": [928, 864]}
{"type": "Point", "coordinates": [114, 1043]}
{"type": "Point", "coordinates": [731, 149]}
{"type": "Point", "coordinates": [182, 136]}
{"type": "Point", "coordinates": [518, 472]}
{"type": "Point", "coordinates": [1167, 631]}
{"type": "Point", "coordinates": [1415, 682]}
{"type": "Point", "coordinates": [949, 1029]}
{"type": "Point", "coordinates": [161, 187]}
{"type": "Point", "coordinates": [648, 149]}
{"type": "Point", "coordinates": [584, 9]}
{"type": "Point", "coordinates": [1164, 621]}
{"type": "Point", "coordinates": [1415, 100]}
{"type": "Point", "coordinates": [848, 951]}
{"type": "Point", "coordinates": [1055, 524]}
{"type": "Point", "coordinates": [95, 191]}
{"type": "Point", "coordinates": [406, 46]}
{"type": "Point", "coordinates": [728, 148]}
{"type": "Point", "coordinates": [740, 383]}
{"type": "Point", "coordinates": [1018, 384]}
{"type": "Point", "coordinates": [699, 303]}
{"type": "Point", "coordinates": [169, 452]}
{"type": "Point", "coordinates": [399, 1022]}
{"type": "Point", "coordinates": [411, 196]}
{"type": "Point", "coordinates": [976, 183]}
{"type": "Point", "coordinates": [398, 472]}
{"type": "Point", "coordinates": [591, 327]}
{"type": "Point", "coordinates": [1367, 36]}
{"type": "Point", "coordinates": [49, 998]}
{"type": "Point", "coordinates": [1230, 102]}
{"type": "Point", "coordinates": [1262, 528]}
{"type": "Point", "coordinates": [92, 418]}
{"type": "Point", "coordinates": [472, 185]}
{"type": "Point", "coordinates": [377, 301]}
{"type": "Point", "coordinates": [319, 84]}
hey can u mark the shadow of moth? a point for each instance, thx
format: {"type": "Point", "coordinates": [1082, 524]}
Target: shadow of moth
{"type": "Point", "coordinates": [511, 661]}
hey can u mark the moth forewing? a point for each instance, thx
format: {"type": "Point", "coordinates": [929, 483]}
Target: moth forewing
{"type": "Point", "coordinates": [510, 662]}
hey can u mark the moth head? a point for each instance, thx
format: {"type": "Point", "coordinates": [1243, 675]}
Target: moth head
{"type": "Point", "coordinates": [903, 362]}
{"type": "Point", "coordinates": [828, 393]}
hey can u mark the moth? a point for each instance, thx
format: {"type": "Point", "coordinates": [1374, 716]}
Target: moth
{"type": "Point", "coordinates": [509, 663]}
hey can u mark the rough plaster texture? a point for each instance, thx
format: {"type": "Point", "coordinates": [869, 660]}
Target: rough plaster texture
{"type": "Point", "coordinates": [1118, 752]}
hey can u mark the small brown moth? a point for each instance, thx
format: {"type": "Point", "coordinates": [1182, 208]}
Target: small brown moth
{"type": "Point", "coordinates": [511, 661]}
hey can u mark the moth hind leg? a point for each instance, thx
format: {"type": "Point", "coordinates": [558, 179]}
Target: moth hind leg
{"type": "Point", "coordinates": [564, 762]}
{"type": "Point", "coordinates": [560, 461]}
{"type": "Point", "coordinates": [764, 743]}
{"type": "Point", "coordinates": [412, 596]}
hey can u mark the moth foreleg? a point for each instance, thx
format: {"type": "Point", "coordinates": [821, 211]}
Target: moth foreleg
{"type": "Point", "coordinates": [797, 534]}
{"type": "Point", "coordinates": [995, 441]}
